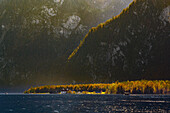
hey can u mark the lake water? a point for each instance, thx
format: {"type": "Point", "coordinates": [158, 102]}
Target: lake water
{"type": "Point", "coordinates": [20, 103]}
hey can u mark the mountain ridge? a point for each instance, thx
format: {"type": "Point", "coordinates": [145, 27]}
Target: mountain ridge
{"type": "Point", "coordinates": [129, 46]}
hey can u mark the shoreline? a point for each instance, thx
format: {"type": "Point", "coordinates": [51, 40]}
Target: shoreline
{"type": "Point", "coordinates": [3, 94]}
{"type": "Point", "coordinates": [126, 87]}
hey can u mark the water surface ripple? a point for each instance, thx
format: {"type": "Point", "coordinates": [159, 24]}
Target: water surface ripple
{"type": "Point", "coordinates": [19, 103]}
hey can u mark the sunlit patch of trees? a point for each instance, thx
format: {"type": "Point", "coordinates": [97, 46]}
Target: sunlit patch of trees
{"type": "Point", "coordinates": [133, 87]}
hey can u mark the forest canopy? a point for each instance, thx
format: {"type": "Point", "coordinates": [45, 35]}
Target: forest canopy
{"type": "Point", "coordinates": [133, 87]}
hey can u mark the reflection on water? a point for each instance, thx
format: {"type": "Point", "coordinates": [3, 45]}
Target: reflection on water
{"type": "Point", "coordinates": [84, 103]}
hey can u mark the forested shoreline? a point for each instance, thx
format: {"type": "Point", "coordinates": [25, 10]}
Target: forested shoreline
{"type": "Point", "coordinates": [132, 87]}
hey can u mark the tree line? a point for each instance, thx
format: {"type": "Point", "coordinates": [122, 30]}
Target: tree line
{"type": "Point", "coordinates": [133, 87]}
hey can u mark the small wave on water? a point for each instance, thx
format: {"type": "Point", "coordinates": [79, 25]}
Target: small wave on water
{"type": "Point", "coordinates": [48, 106]}
{"type": "Point", "coordinates": [55, 111]}
{"type": "Point", "coordinates": [10, 110]}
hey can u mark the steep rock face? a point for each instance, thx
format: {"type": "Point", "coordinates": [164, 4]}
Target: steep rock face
{"type": "Point", "coordinates": [37, 36]}
{"type": "Point", "coordinates": [133, 45]}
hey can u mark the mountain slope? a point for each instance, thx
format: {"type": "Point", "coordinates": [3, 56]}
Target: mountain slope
{"type": "Point", "coordinates": [36, 36]}
{"type": "Point", "coordinates": [132, 45]}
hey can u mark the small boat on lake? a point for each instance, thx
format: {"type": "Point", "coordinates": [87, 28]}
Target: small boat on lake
{"type": "Point", "coordinates": [64, 91]}
{"type": "Point", "coordinates": [126, 93]}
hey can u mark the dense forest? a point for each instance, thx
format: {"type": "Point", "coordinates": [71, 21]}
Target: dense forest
{"type": "Point", "coordinates": [133, 87]}
{"type": "Point", "coordinates": [37, 36]}
{"type": "Point", "coordinates": [131, 46]}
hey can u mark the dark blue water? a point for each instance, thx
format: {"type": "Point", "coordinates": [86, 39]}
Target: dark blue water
{"type": "Point", "coordinates": [15, 103]}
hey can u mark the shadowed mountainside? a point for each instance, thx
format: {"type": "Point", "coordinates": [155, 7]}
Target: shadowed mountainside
{"type": "Point", "coordinates": [133, 45]}
{"type": "Point", "coordinates": [36, 36]}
